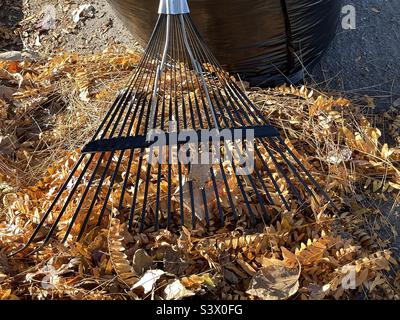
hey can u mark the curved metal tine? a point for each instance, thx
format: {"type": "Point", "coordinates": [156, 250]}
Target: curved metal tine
{"type": "Point", "coordinates": [211, 58]}
{"type": "Point", "coordinates": [115, 111]}
{"type": "Point", "coordinates": [198, 68]}
{"type": "Point", "coordinates": [102, 181]}
{"type": "Point", "coordinates": [227, 124]}
{"type": "Point", "coordinates": [228, 191]}
{"type": "Point", "coordinates": [159, 168]}
{"type": "Point", "coordinates": [152, 121]}
{"type": "Point", "coordinates": [141, 155]}
{"type": "Point", "coordinates": [112, 112]}
{"type": "Point", "coordinates": [135, 192]}
{"type": "Point", "coordinates": [155, 51]}
{"type": "Point", "coordinates": [159, 72]}
{"type": "Point", "coordinates": [260, 179]}
{"type": "Point", "coordinates": [65, 205]}
{"type": "Point", "coordinates": [141, 98]}
{"type": "Point", "coordinates": [157, 207]}
{"type": "Point", "coordinates": [149, 165]}
{"type": "Point", "coordinates": [179, 46]}
{"type": "Point", "coordinates": [103, 176]}
{"type": "Point", "coordinates": [248, 176]}
{"type": "Point", "coordinates": [175, 107]}
{"type": "Point", "coordinates": [252, 182]}
{"type": "Point", "coordinates": [81, 202]}
{"type": "Point", "coordinates": [131, 83]}
{"type": "Point", "coordinates": [120, 100]}
{"type": "Point", "coordinates": [131, 154]}
{"type": "Point", "coordinates": [116, 170]}
{"type": "Point", "coordinates": [146, 193]}
{"type": "Point", "coordinates": [308, 174]}
{"type": "Point", "coordinates": [294, 170]}
{"type": "Point", "coordinates": [194, 58]}
{"type": "Point", "coordinates": [169, 183]}
{"type": "Point", "coordinates": [252, 216]}
{"type": "Point", "coordinates": [277, 165]}
{"type": "Point", "coordinates": [180, 177]}
{"type": "Point", "coordinates": [205, 205]}
{"type": "Point", "coordinates": [225, 120]}
{"type": "Point", "coordinates": [291, 166]}
{"type": "Point", "coordinates": [141, 152]}
{"type": "Point", "coordinates": [250, 108]}
{"type": "Point", "coordinates": [122, 152]}
{"type": "Point", "coordinates": [215, 186]}
{"type": "Point", "coordinates": [271, 177]}
{"type": "Point", "coordinates": [189, 80]}
{"type": "Point", "coordinates": [50, 209]}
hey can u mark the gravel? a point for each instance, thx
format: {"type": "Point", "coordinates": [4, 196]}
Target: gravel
{"type": "Point", "coordinates": [365, 61]}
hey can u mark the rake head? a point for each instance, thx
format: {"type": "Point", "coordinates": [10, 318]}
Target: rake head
{"type": "Point", "coordinates": [181, 145]}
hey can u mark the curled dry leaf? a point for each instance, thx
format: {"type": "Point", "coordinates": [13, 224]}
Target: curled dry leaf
{"type": "Point", "coordinates": [141, 261]}
{"type": "Point", "coordinates": [148, 280]}
{"type": "Point", "coordinates": [275, 281]}
{"type": "Point", "coordinates": [176, 291]}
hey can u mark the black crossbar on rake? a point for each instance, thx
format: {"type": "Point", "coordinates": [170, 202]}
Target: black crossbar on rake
{"type": "Point", "coordinates": [177, 95]}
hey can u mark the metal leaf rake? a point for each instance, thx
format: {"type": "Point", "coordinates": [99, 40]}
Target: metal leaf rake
{"type": "Point", "coordinates": [178, 104]}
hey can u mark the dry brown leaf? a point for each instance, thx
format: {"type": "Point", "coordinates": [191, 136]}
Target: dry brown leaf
{"type": "Point", "coordinates": [275, 281]}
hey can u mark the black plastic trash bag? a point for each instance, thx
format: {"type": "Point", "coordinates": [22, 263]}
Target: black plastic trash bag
{"type": "Point", "coordinates": [265, 41]}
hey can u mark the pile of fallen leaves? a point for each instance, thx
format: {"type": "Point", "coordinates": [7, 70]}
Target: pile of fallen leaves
{"type": "Point", "coordinates": [48, 108]}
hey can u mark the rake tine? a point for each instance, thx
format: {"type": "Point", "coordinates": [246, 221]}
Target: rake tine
{"type": "Point", "coordinates": [269, 173]}
{"type": "Point", "coordinates": [114, 176]}
{"type": "Point", "coordinates": [157, 208]}
{"type": "Point", "coordinates": [169, 193]}
{"type": "Point", "coordinates": [96, 194]}
{"type": "Point", "coordinates": [190, 183]}
{"type": "Point", "coordinates": [150, 160]}
{"type": "Point", "coordinates": [316, 184]}
{"type": "Point", "coordinates": [249, 176]}
{"type": "Point", "coordinates": [49, 210]}
{"type": "Point", "coordinates": [169, 205]}
{"type": "Point", "coordinates": [81, 202]}
{"type": "Point", "coordinates": [122, 152]}
{"type": "Point", "coordinates": [146, 192]}
{"type": "Point", "coordinates": [131, 154]}
{"type": "Point", "coordinates": [290, 165]}
{"type": "Point", "coordinates": [228, 191]}
{"type": "Point", "coordinates": [221, 215]}
{"type": "Point", "coordinates": [133, 207]}
{"type": "Point", "coordinates": [67, 201]}
{"type": "Point", "coordinates": [138, 103]}
{"type": "Point", "coordinates": [282, 172]}
{"type": "Point", "coordinates": [142, 151]}
{"type": "Point", "coordinates": [132, 211]}
{"type": "Point", "coordinates": [277, 165]}
{"type": "Point", "coordinates": [206, 213]}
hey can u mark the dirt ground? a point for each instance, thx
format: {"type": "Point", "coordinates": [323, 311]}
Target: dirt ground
{"type": "Point", "coordinates": [366, 61]}
{"type": "Point", "coordinates": [48, 26]}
